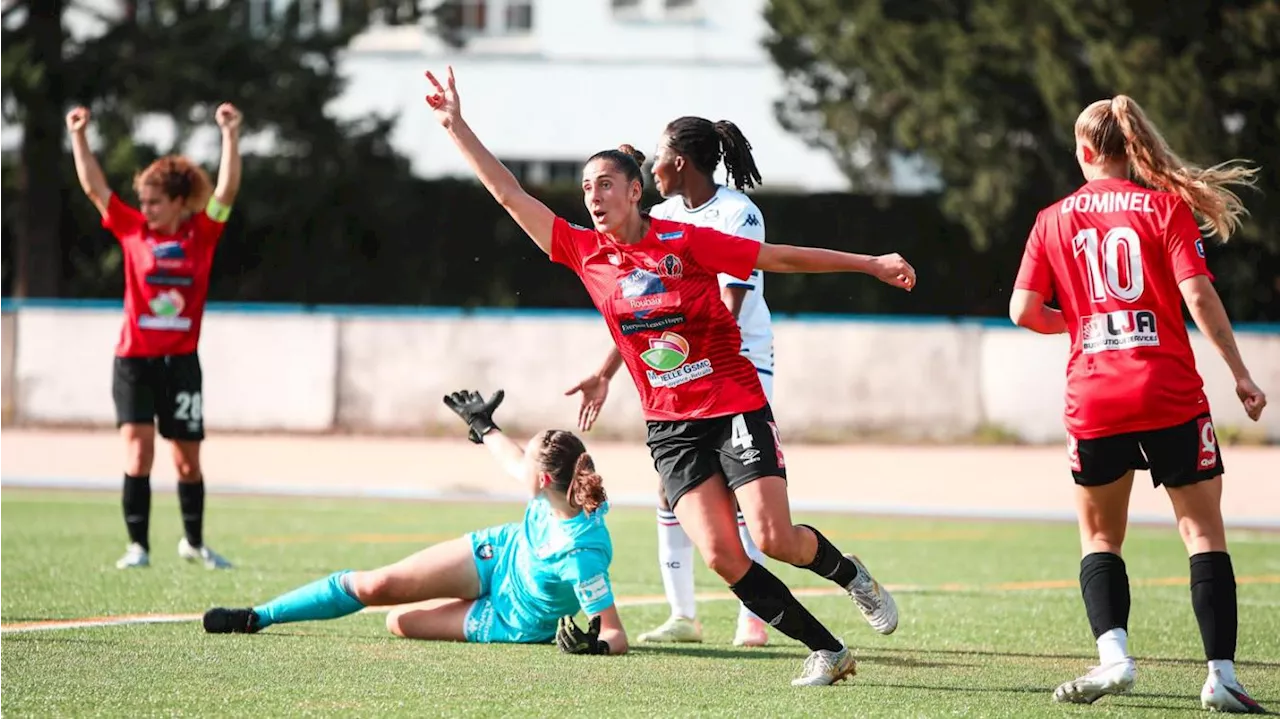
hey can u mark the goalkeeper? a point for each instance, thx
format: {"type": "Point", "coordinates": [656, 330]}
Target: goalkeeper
{"type": "Point", "coordinates": [511, 583]}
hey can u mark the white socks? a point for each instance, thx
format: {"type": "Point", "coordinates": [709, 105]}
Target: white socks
{"type": "Point", "coordinates": [1113, 647]}
{"type": "Point", "coordinates": [675, 560]}
{"type": "Point", "coordinates": [1225, 669]}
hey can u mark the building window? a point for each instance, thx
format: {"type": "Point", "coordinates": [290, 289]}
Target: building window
{"type": "Point", "coordinates": [519, 16]}
{"type": "Point", "coordinates": [473, 15]}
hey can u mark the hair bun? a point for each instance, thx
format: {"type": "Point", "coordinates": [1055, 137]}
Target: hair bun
{"type": "Point", "coordinates": [635, 154]}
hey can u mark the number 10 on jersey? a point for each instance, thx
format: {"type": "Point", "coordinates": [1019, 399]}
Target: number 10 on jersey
{"type": "Point", "coordinates": [1114, 265]}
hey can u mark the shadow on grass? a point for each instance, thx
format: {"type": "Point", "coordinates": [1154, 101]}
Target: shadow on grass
{"type": "Point", "coordinates": [1081, 657]}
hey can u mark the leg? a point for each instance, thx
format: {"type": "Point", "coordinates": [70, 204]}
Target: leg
{"type": "Point", "coordinates": [1103, 469]}
{"type": "Point", "coordinates": [438, 619]}
{"type": "Point", "coordinates": [675, 563]}
{"type": "Point", "coordinates": [751, 454]}
{"type": "Point", "coordinates": [134, 396]}
{"type": "Point", "coordinates": [181, 418]}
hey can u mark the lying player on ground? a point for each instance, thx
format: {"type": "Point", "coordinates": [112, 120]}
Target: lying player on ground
{"type": "Point", "coordinates": [711, 431]}
{"type": "Point", "coordinates": [689, 151]}
{"type": "Point", "coordinates": [518, 583]}
{"type": "Point", "coordinates": [1120, 258]}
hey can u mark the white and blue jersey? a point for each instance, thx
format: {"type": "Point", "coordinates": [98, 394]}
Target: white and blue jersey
{"type": "Point", "coordinates": [733, 213]}
{"type": "Point", "coordinates": [537, 571]}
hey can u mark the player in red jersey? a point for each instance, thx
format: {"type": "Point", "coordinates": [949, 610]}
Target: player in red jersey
{"type": "Point", "coordinates": [1120, 257]}
{"type": "Point", "coordinates": [168, 251]}
{"type": "Point", "coordinates": [711, 432]}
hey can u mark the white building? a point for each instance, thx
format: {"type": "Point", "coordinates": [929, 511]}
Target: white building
{"type": "Point", "coordinates": [547, 83]}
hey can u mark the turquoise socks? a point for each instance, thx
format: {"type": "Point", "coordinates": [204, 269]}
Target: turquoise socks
{"type": "Point", "coordinates": [326, 598]}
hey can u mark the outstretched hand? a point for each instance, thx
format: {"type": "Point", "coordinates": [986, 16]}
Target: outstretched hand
{"type": "Point", "coordinates": [444, 101]}
{"type": "Point", "coordinates": [475, 411]}
{"type": "Point", "coordinates": [595, 390]}
{"type": "Point", "coordinates": [893, 270]}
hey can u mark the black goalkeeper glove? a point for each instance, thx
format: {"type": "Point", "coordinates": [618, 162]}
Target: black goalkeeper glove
{"type": "Point", "coordinates": [475, 411]}
{"type": "Point", "coordinates": [573, 640]}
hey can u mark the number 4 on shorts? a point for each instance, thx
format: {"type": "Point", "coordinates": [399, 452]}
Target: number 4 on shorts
{"type": "Point", "coordinates": [741, 436]}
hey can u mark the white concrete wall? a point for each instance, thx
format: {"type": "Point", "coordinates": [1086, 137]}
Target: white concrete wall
{"type": "Point", "coordinates": [364, 372]}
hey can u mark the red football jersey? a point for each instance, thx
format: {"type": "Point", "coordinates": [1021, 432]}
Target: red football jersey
{"type": "Point", "coordinates": [1112, 254]}
{"type": "Point", "coordinates": [166, 280]}
{"type": "Point", "coordinates": [661, 301]}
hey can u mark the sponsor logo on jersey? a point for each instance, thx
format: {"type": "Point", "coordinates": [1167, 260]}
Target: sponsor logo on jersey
{"type": "Point", "coordinates": [1073, 453]}
{"type": "Point", "coordinates": [168, 250]}
{"type": "Point", "coordinates": [1118, 330]}
{"type": "Point", "coordinates": [668, 236]}
{"type": "Point", "coordinates": [643, 293]}
{"type": "Point", "coordinates": [593, 589]}
{"type": "Point", "coordinates": [1200, 248]}
{"type": "Point", "coordinates": [1208, 458]}
{"type": "Point", "coordinates": [164, 279]}
{"type": "Point", "coordinates": [576, 226]}
{"type": "Point", "coordinates": [166, 313]}
{"type": "Point", "coordinates": [751, 221]}
{"type": "Point", "coordinates": [630, 327]}
{"type": "Point", "coordinates": [666, 358]}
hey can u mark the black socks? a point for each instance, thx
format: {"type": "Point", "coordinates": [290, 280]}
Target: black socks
{"type": "Point", "coordinates": [766, 596]}
{"type": "Point", "coordinates": [191, 502]}
{"type": "Point", "coordinates": [136, 499]}
{"type": "Point", "coordinates": [1105, 587]}
{"type": "Point", "coordinates": [1213, 597]}
{"type": "Point", "coordinates": [829, 563]}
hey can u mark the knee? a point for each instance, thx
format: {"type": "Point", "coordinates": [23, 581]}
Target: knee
{"type": "Point", "coordinates": [140, 451]}
{"type": "Point", "coordinates": [1203, 535]}
{"type": "Point", "coordinates": [187, 464]}
{"type": "Point", "coordinates": [395, 625]}
{"type": "Point", "coordinates": [1100, 539]}
{"type": "Point", "coordinates": [780, 543]}
{"type": "Point", "coordinates": [373, 589]}
{"type": "Point", "coordinates": [729, 562]}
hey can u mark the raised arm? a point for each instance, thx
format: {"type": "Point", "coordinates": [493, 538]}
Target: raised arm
{"type": "Point", "coordinates": [92, 181]}
{"type": "Point", "coordinates": [533, 217]}
{"type": "Point", "coordinates": [1211, 317]}
{"type": "Point", "coordinates": [228, 119]}
{"type": "Point", "coordinates": [481, 429]}
{"type": "Point", "coordinates": [890, 269]}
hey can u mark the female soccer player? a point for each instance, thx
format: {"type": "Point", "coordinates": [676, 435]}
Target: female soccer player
{"type": "Point", "coordinates": [168, 252]}
{"type": "Point", "coordinates": [654, 281]}
{"type": "Point", "coordinates": [689, 151]}
{"type": "Point", "coordinates": [510, 583]}
{"type": "Point", "coordinates": [1120, 257]}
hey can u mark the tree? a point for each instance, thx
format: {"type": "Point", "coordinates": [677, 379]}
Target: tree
{"type": "Point", "coordinates": [987, 91]}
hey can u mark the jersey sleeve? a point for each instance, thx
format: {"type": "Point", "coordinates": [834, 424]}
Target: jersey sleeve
{"type": "Point", "coordinates": [1035, 273]}
{"type": "Point", "coordinates": [590, 576]}
{"type": "Point", "coordinates": [566, 244]}
{"type": "Point", "coordinates": [747, 223]}
{"type": "Point", "coordinates": [212, 220]}
{"type": "Point", "coordinates": [1184, 244]}
{"type": "Point", "coordinates": [721, 253]}
{"type": "Point", "coordinates": [122, 220]}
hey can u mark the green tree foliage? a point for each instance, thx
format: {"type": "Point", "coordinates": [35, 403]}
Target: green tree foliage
{"type": "Point", "coordinates": [987, 91]}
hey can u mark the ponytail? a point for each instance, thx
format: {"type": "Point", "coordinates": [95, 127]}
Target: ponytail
{"type": "Point", "coordinates": [586, 489]}
{"type": "Point", "coordinates": [1119, 128]}
{"type": "Point", "coordinates": [735, 152]}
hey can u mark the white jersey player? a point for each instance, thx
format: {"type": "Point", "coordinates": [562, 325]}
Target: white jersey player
{"type": "Point", "coordinates": [689, 152]}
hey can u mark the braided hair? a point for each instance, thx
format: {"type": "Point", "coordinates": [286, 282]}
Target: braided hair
{"type": "Point", "coordinates": [706, 144]}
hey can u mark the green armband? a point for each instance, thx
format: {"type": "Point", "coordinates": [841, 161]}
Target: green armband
{"type": "Point", "coordinates": [217, 211]}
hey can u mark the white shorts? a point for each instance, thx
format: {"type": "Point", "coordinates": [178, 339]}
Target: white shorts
{"type": "Point", "coordinates": [766, 380]}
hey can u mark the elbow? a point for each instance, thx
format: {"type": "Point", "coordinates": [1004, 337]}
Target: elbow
{"type": "Point", "coordinates": [618, 645]}
{"type": "Point", "coordinates": [1019, 316]}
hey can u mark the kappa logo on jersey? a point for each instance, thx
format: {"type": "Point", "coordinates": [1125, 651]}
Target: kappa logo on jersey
{"type": "Point", "coordinates": [670, 266]}
{"type": "Point", "coordinates": [668, 236]}
{"type": "Point", "coordinates": [166, 309]}
{"type": "Point", "coordinates": [751, 221]}
{"type": "Point", "coordinates": [667, 355]}
{"type": "Point", "coordinates": [1208, 444]}
{"type": "Point", "coordinates": [1118, 330]}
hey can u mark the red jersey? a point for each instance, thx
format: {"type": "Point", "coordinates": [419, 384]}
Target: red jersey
{"type": "Point", "coordinates": [661, 301]}
{"type": "Point", "coordinates": [166, 280]}
{"type": "Point", "coordinates": [1113, 254]}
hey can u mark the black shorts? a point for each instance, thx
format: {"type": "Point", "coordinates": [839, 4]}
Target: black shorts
{"type": "Point", "coordinates": [1177, 456]}
{"type": "Point", "coordinates": [743, 447]}
{"type": "Point", "coordinates": [165, 390]}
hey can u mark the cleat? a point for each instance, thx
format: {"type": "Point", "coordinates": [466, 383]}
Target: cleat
{"type": "Point", "coordinates": [824, 668]}
{"type": "Point", "coordinates": [1220, 695]}
{"type": "Point", "coordinates": [874, 601]}
{"type": "Point", "coordinates": [220, 620]}
{"type": "Point", "coordinates": [135, 557]}
{"type": "Point", "coordinates": [675, 629]}
{"type": "Point", "coordinates": [1117, 678]}
{"type": "Point", "coordinates": [752, 632]}
{"type": "Point", "coordinates": [210, 558]}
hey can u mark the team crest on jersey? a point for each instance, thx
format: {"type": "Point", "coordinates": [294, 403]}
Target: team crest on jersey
{"type": "Point", "coordinates": [485, 551]}
{"type": "Point", "coordinates": [670, 266]}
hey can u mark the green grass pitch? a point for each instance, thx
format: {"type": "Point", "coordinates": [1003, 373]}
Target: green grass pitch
{"type": "Point", "coordinates": [991, 622]}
